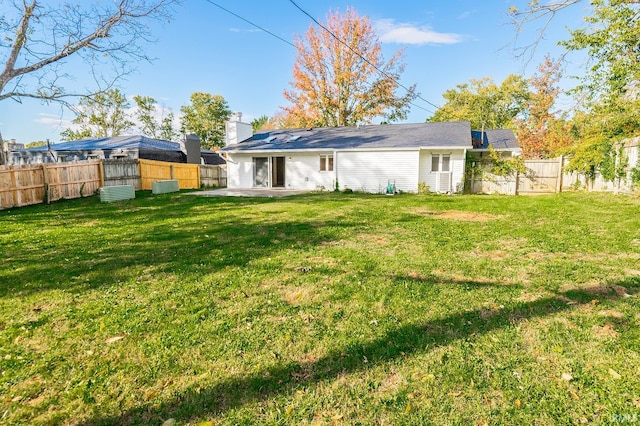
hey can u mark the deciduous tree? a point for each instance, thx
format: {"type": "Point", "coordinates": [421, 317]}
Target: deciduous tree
{"type": "Point", "coordinates": [102, 115]}
{"type": "Point", "coordinates": [340, 78]}
{"type": "Point", "coordinates": [206, 117]}
{"type": "Point", "coordinates": [145, 110]}
{"type": "Point", "coordinates": [484, 103]}
{"type": "Point", "coordinates": [541, 132]}
{"type": "Point", "coordinates": [35, 144]}
{"type": "Point", "coordinates": [610, 89]}
{"type": "Point", "coordinates": [167, 131]}
{"type": "Point", "coordinates": [146, 113]}
{"type": "Point", "coordinates": [259, 123]}
{"type": "Point", "coordinates": [39, 39]}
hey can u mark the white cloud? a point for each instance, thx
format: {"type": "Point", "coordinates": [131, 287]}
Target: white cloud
{"type": "Point", "coordinates": [466, 14]}
{"type": "Point", "coordinates": [55, 121]}
{"type": "Point", "coordinates": [391, 31]}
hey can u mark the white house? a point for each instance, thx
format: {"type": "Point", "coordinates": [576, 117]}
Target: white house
{"type": "Point", "coordinates": [363, 158]}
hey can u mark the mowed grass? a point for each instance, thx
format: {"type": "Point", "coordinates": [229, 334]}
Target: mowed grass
{"type": "Point", "coordinates": [321, 308]}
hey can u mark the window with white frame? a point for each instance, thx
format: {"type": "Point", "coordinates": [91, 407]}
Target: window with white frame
{"type": "Point", "coordinates": [326, 162]}
{"type": "Point", "coordinates": [441, 163]}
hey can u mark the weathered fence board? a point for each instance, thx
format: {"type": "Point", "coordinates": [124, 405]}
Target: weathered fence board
{"type": "Point", "coordinates": [540, 176]}
{"type": "Point", "coordinates": [549, 176]}
{"type": "Point", "coordinates": [38, 183]}
{"type": "Point", "coordinates": [213, 175]}
{"type": "Point", "coordinates": [121, 172]}
{"type": "Point", "coordinates": [33, 184]}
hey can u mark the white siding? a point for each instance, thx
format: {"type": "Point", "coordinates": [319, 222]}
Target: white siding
{"type": "Point", "coordinates": [303, 172]}
{"type": "Point", "coordinates": [239, 171]}
{"type": "Point", "coordinates": [367, 171]}
{"type": "Point", "coordinates": [371, 171]}
{"type": "Point", "coordinates": [430, 178]}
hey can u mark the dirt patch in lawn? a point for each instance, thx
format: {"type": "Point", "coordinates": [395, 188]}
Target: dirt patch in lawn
{"type": "Point", "coordinates": [374, 239]}
{"type": "Point", "coordinates": [495, 255]}
{"type": "Point", "coordinates": [467, 216]}
{"type": "Point", "coordinates": [299, 296]}
{"type": "Point", "coordinates": [390, 384]}
{"type": "Point", "coordinates": [606, 331]}
{"type": "Point", "coordinates": [458, 215]}
{"type": "Point", "coordinates": [611, 313]}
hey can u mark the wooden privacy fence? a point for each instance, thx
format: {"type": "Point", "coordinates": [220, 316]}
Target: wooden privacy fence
{"type": "Point", "coordinates": [121, 172]}
{"type": "Point", "coordinates": [540, 177]}
{"type": "Point", "coordinates": [34, 184]}
{"type": "Point", "coordinates": [546, 177]}
{"type": "Point", "coordinates": [187, 175]}
{"type": "Point", "coordinates": [39, 183]}
{"type": "Point", "coordinates": [213, 175]}
{"type": "Point", "coordinates": [142, 173]}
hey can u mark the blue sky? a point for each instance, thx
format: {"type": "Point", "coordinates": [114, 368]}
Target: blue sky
{"type": "Point", "coordinates": [206, 49]}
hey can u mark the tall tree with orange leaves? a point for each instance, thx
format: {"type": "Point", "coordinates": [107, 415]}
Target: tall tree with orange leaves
{"type": "Point", "coordinates": [336, 77]}
{"type": "Point", "coordinates": [541, 133]}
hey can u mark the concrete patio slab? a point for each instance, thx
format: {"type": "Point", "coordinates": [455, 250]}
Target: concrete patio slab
{"type": "Point", "coordinates": [267, 192]}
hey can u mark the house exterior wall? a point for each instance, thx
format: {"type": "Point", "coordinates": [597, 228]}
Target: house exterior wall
{"type": "Point", "coordinates": [366, 171]}
{"type": "Point", "coordinates": [370, 171]}
{"type": "Point", "coordinates": [239, 171]}
{"type": "Point", "coordinates": [303, 172]}
{"type": "Point", "coordinates": [431, 178]}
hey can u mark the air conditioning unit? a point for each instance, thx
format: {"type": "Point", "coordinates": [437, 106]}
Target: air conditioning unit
{"type": "Point", "coordinates": [165, 186]}
{"type": "Point", "coordinates": [109, 194]}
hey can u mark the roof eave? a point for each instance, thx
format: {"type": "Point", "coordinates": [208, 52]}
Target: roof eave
{"type": "Point", "coordinates": [354, 149]}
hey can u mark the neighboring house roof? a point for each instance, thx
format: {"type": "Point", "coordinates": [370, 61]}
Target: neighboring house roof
{"type": "Point", "coordinates": [388, 136]}
{"type": "Point", "coordinates": [148, 148]}
{"type": "Point", "coordinates": [500, 139]}
{"type": "Point", "coordinates": [116, 142]}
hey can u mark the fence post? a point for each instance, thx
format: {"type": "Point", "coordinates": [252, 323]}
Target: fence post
{"type": "Point", "coordinates": [560, 175]}
{"type": "Point", "coordinates": [517, 184]}
{"type": "Point", "coordinates": [101, 172]}
{"type": "Point", "coordinates": [45, 179]}
{"type": "Point", "coordinates": [12, 176]}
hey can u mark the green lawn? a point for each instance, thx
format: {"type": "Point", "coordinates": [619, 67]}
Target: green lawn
{"type": "Point", "coordinates": [321, 308]}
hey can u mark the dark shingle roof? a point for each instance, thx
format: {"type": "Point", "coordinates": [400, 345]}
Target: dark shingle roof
{"type": "Point", "coordinates": [499, 138]}
{"type": "Point", "coordinates": [368, 137]}
{"type": "Point", "coordinates": [116, 142]}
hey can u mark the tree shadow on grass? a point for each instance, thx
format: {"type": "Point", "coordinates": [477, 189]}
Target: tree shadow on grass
{"type": "Point", "coordinates": [89, 264]}
{"type": "Point", "coordinates": [145, 237]}
{"type": "Point", "coordinates": [196, 403]}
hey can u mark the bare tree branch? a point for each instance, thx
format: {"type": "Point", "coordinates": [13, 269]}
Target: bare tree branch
{"type": "Point", "coordinates": [535, 11]}
{"type": "Point", "coordinates": [44, 37]}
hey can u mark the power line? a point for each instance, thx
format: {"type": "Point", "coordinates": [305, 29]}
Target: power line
{"type": "Point", "coordinates": [362, 57]}
{"type": "Point", "coordinates": [293, 45]}
{"type": "Point", "coordinates": [251, 23]}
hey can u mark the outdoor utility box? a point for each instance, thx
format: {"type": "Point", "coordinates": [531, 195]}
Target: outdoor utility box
{"type": "Point", "coordinates": [117, 193]}
{"type": "Point", "coordinates": [164, 186]}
